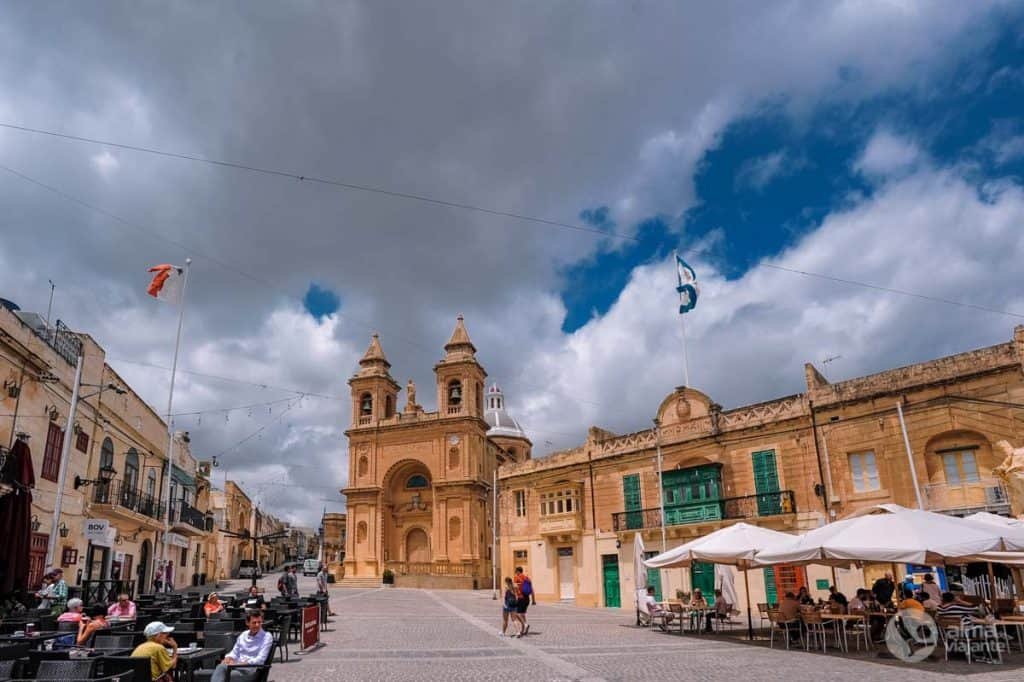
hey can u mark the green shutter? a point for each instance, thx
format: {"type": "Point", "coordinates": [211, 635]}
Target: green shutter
{"type": "Point", "coordinates": [702, 576]}
{"type": "Point", "coordinates": [766, 483]}
{"type": "Point", "coordinates": [610, 571]}
{"type": "Point", "coordinates": [691, 495]}
{"type": "Point", "coordinates": [654, 576]}
{"type": "Point", "coordinates": [771, 594]}
{"type": "Point", "coordinates": [633, 503]}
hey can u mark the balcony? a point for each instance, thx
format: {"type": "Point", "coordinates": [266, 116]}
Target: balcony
{"type": "Point", "coordinates": [188, 520]}
{"type": "Point", "coordinates": [129, 504]}
{"type": "Point", "coordinates": [561, 526]}
{"type": "Point", "coordinates": [709, 511]}
{"type": "Point", "coordinates": [960, 499]}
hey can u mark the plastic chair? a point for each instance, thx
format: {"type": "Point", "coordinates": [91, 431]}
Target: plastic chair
{"type": "Point", "coordinates": [785, 626]}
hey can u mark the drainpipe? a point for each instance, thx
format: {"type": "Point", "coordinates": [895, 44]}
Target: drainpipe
{"type": "Point", "coordinates": [817, 454]}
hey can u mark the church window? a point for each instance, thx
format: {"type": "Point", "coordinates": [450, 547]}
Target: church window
{"type": "Point", "coordinates": [389, 406]}
{"type": "Point", "coordinates": [417, 481]}
{"type": "Point", "coordinates": [365, 405]}
{"type": "Point", "coordinates": [479, 397]}
{"type": "Point", "coordinates": [454, 393]}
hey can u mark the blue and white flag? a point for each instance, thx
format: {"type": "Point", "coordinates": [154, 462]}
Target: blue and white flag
{"type": "Point", "coordinates": [688, 288]}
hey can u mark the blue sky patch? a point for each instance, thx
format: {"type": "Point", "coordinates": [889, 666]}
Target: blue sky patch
{"type": "Point", "coordinates": [320, 302]}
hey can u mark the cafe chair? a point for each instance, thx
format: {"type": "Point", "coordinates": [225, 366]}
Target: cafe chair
{"type": "Point", "coordinates": [220, 640]}
{"type": "Point", "coordinates": [783, 626]}
{"type": "Point", "coordinates": [65, 670]}
{"type": "Point", "coordinates": [814, 630]}
{"type": "Point", "coordinates": [114, 642]}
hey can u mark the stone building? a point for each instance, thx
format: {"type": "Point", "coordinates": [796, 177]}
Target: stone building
{"type": "Point", "coordinates": [114, 506]}
{"type": "Point", "coordinates": [790, 464]}
{"type": "Point", "coordinates": [232, 511]}
{"type": "Point", "coordinates": [420, 483]}
{"type": "Point", "coordinates": [334, 543]}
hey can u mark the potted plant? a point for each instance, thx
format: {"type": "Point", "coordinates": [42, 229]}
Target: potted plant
{"type": "Point", "coordinates": [389, 576]}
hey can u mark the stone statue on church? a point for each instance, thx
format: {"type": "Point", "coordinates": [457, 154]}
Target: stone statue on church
{"type": "Point", "coordinates": [1011, 473]}
{"type": "Point", "coordinates": [410, 393]}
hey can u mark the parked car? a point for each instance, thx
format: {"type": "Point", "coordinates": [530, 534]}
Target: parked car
{"type": "Point", "coordinates": [247, 568]}
{"type": "Point", "coordinates": [310, 567]}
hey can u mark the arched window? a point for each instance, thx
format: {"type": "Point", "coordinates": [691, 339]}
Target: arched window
{"type": "Point", "coordinates": [151, 484]}
{"type": "Point", "coordinates": [389, 406]}
{"type": "Point", "coordinates": [479, 397]}
{"type": "Point", "coordinates": [512, 453]}
{"type": "Point", "coordinates": [365, 405]}
{"type": "Point", "coordinates": [454, 393]}
{"type": "Point", "coordinates": [417, 481]}
{"type": "Point", "coordinates": [107, 453]}
{"type": "Point", "coordinates": [131, 469]}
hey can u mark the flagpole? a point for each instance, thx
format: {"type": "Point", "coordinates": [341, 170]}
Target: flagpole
{"type": "Point", "coordinates": [170, 426]}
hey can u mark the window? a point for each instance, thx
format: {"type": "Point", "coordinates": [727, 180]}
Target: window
{"type": "Point", "coordinates": [560, 502]}
{"type": "Point", "coordinates": [864, 472]}
{"type": "Point", "coordinates": [131, 469]}
{"type": "Point", "coordinates": [184, 556]}
{"type": "Point", "coordinates": [151, 484]}
{"type": "Point", "coordinates": [51, 456]}
{"type": "Point", "coordinates": [520, 554]}
{"type": "Point", "coordinates": [520, 503]}
{"type": "Point", "coordinates": [417, 481]}
{"type": "Point", "coordinates": [960, 467]}
{"type": "Point", "coordinates": [389, 406]}
{"type": "Point", "coordinates": [68, 556]}
{"type": "Point", "coordinates": [82, 442]}
{"type": "Point", "coordinates": [365, 405]}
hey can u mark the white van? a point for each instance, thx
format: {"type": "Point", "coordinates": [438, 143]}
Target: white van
{"type": "Point", "coordinates": [310, 567]}
{"type": "Point", "coordinates": [247, 568]}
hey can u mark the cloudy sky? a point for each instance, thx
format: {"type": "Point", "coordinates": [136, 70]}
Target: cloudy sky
{"type": "Point", "coordinates": [872, 141]}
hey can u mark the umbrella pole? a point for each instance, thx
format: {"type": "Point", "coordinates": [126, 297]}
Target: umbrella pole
{"type": "Point", "coordinates": [992, 586]}
{"type": "Point", "coordinates": [750, 618]}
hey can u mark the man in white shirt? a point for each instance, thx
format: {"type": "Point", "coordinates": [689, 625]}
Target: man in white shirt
{"type": "Point", "coordinates": [654, 608]}
{"type": "Point", "coordinates": [251, 648]}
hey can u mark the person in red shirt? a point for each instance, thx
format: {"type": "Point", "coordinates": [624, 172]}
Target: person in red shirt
{"type": "Point", "coordinates": [524, 592]}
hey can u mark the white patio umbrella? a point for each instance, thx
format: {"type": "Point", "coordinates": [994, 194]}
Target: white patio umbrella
{"type": "Point", "coordinates": [888, 534]}
{"type": "Point", "coordinates": [639, 573]}
{"type": "Point", "coordinates": [734, 545]}
{"type": "Point", "coordinates": [1011, 530]}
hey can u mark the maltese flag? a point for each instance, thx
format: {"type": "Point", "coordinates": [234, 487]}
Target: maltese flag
{"type": "Point", "coordinates": [168, 283]}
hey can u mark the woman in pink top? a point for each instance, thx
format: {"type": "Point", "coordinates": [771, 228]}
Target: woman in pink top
{"type": "Point", "coordinates": [74, 612]}
{"type": "Point", "coordinates": [124, 607]}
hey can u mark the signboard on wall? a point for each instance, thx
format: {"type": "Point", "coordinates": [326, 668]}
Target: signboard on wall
{"type": "Point", "coordinates": [176, 540]}
{"type": "Point", "coordinates": [96, 530]}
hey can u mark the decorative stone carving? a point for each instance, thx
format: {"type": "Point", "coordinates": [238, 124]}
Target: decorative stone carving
{"type": "Point", "coordinates": [682, 408]}
{"type": "Point", "coordinates": [410, 394]}
{"type": "Point", "coordinates": [1011, 473]}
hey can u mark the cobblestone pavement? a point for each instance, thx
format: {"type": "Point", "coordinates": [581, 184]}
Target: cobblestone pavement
{"type": "Point", "coordinates": [399, 634]}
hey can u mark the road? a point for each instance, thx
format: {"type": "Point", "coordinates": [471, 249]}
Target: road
{"type": "Point", "coordinates": [400, 634]}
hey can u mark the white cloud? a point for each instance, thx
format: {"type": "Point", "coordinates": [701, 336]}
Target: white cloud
{"type": "Point", "coordinates": [105, 163]}
{"type": "Point", "coordinates": [888, 154]}
{"type": "Point", "coordinates": [758, 172]}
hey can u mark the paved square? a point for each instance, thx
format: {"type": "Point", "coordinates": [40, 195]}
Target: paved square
{"type": "Point", "coordinates": [399, 634]}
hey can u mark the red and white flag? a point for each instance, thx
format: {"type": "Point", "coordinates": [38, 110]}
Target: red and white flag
{"type": "Point", "coordinates": [168, 283]}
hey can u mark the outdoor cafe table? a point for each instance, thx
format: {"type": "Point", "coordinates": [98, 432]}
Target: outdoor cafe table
{"type": "Point", "coordinates": [845, 618]}
{"type": "Point", "coordinates": [188, 662]}
{"type": "Point", "coordinates": [37, 637]}
{"type": "Point", "coordinates": [1005, 623]}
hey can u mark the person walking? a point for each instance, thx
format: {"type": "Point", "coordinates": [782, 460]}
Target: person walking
{"type": "Point", "coordinates": [524, 590]}
{"type": "Point", "coordinates": [292, 582]}
{"type": "Point", "coordinates": [58, 592]}
{"type": "Point", "coordinates": [508, 608]}
{"type": "Point", "coordinates": [321, 588]}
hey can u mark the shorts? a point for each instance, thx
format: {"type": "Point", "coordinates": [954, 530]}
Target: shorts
{"type": "Point", "coordinates": [522, 604]}
{"type": "Point", "coordinates": [508, 609]}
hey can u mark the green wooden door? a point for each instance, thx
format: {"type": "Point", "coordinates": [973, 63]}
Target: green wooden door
{"type": "Point", "coordinates": [654, 576]}
{"type": "Point", "coordinates": [703, 579]}
{"type": "Point", "coordinates": [766, 483]}
{"type": "Point", "coordinates": [633, 503]}
{"type": "Point", "coordinates": [771, 594]}
{"type": "Point", "coordinates": [610, 571]}
{"type": "Point", "coordinates": [691, 495]}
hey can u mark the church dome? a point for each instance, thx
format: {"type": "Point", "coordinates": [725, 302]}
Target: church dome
{"type": "Point", "coordinates": [501, 423]}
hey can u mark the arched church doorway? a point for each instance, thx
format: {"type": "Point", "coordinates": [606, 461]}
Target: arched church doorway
{"type": "Point", "coordinates": [417, 546]}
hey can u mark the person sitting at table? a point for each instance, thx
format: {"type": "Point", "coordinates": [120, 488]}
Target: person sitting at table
{"type": "Point", "coordinates": [45, 593]}
{"type": "Point", "coordinates": [251, 648]}
{"type": "Point", "coordinates": [720, 612]}
{"type": "Point", "coordinates": [789, 613]}
{"type": "Point", "coordinates": [74, 612]}
{"type": "Point", "coordinates": [155, 647]}
{"type": "Point", "coordinates": [953, 606]}
{"type": "Point", "coordinates": [837, 598]}
{"type": "Point", "coordinates": [859, 601]}
{"type": "Point", "coordinates": [87, 627]}
{"type": "Point", "coordinates": [124, 607]}
{"type": "Point", "coordinates": [804, 597]}
{"type": "Point", "coordinates": [255, 600]}
{"type": "Point", "coordinates": [907, 600]}
{"type": "Point", "coordinates": [213, 605]}
{"type": "Point", "coordinates": [927, 601]}
{"type": "Point", "coordinates": [654, 608]}
{"type": "Point", "coordinates": [931, 588]}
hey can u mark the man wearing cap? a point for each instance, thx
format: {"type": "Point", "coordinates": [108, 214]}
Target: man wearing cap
{"type": "Point", "coordinates": [251, 648]}
{"type": "Point", "coordinates": [155, 649]}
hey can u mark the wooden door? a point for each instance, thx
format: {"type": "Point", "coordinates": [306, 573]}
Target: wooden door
{"type": "Point", "coordinates": [566, 573]}
{"type": "Point", "coordinates": [37, 559]}
{"type": "Point", "coordinates": [610, 572]}
{"type": "Point", "coordinates": [703, 578]}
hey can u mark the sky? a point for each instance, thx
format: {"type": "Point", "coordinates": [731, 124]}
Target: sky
{"type": "Point", "coordinates": [880, 142]}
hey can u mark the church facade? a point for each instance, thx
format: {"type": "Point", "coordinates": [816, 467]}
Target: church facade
{"type": "Point", "coordinates": [419, 498]}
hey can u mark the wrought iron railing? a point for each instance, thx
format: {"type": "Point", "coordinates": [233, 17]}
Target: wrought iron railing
{"type": "Point", "coordinates": [105, 591]}
{"type": "Point", "coordinates": [187, 514]}
{"type": "Point", "coordinates": [745, 507]}
{"type": "Point", "coordinates": [117, 493]}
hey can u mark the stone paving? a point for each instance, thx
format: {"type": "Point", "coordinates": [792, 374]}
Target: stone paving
{"type": "Point", "coordinates": [401, 634]}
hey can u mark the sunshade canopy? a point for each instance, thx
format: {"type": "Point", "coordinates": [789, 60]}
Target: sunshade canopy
{"type": "Point", "coordinates": [734, 545]}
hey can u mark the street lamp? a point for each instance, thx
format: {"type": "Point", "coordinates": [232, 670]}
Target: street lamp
{"type": "Point", "coordinates": [107, 474]}
{"type": "Point", "coordinates": [63, 530]}
{"type": "Point", "coordinates": [35, 524]}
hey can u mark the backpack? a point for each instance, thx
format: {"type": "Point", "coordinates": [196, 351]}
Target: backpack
{"type": "Point", "coordinates": [280, 585]}
{"type": "Point", "coordinates": [527, 588]}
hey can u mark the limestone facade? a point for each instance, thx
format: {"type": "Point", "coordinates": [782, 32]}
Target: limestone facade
{"type": "Point", "coordinates": [420, 483]}
{"type": "Point", "coordinates": [790, 464]}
